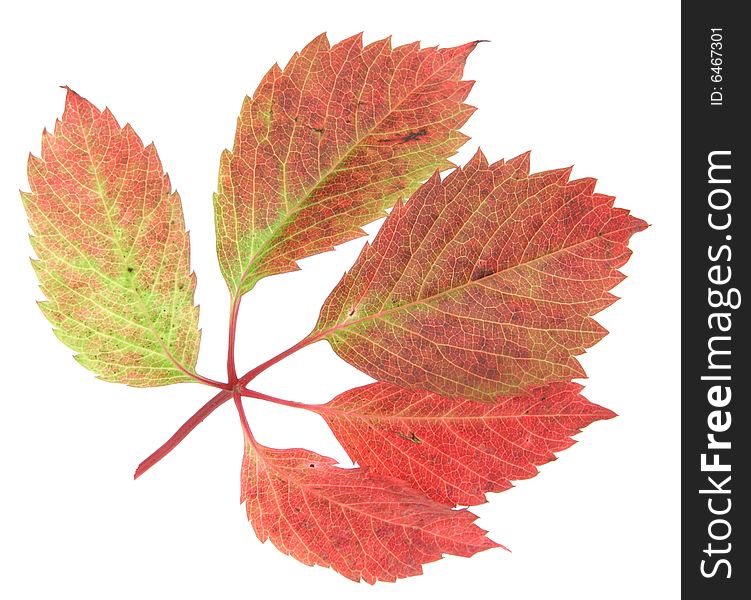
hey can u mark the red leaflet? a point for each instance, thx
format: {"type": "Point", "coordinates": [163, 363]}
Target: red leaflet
{"type": "Point", "coordinates": [456, 450]}
{"type": "Point", "coordinates": [483, 284]}
{"type": "Point", "coordinates": [362, 525]}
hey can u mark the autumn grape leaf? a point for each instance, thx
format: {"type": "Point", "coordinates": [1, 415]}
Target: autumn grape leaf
{"type": "Point", "coordinates": [469, 308]}
{"type": "Point", "coordinates": [327, 144]}
{"type": "Point", "coordinates": [482, 285]}
{"type": "Point", "coordinates": [365, 526]}
{"type": "Point", "coordinates": [113, 253]}
{"type": "Point", "coordinates": [456, 450]}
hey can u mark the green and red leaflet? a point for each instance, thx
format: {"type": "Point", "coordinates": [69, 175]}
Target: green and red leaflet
{"type": "Point", "coordinates": [469, 308]}
{"type": "Point", "coordinates": [113, 253]}
{"type": "Point", "coordinates": [326, 145]}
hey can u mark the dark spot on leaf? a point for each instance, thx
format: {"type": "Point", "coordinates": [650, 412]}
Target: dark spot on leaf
{"type": "Point", "coordinates": [311, 465]}
{"type": "Point", "coordinates": [409, 137]}
{"type": "Point", "coordinates": [351, 312]}
{"type": "Point", "coordinates": [414, 135]}
{"type": "Point", "coordinates": [480, 273]}
{"type": "Point", "coordinates": [130, 269]}
{"type": "Point", "coordinates": [410, 438]}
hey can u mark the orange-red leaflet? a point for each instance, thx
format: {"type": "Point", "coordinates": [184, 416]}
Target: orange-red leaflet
{"type": "Point", "coordinates": [363, 525]}
{"type": "Point", "coordinates": [483, 284]}
{"type": "Point", "coordinates": [456, 450]}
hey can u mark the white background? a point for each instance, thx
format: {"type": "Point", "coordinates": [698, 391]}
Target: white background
{"type": "Point", "coordinates": [591, 84]}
